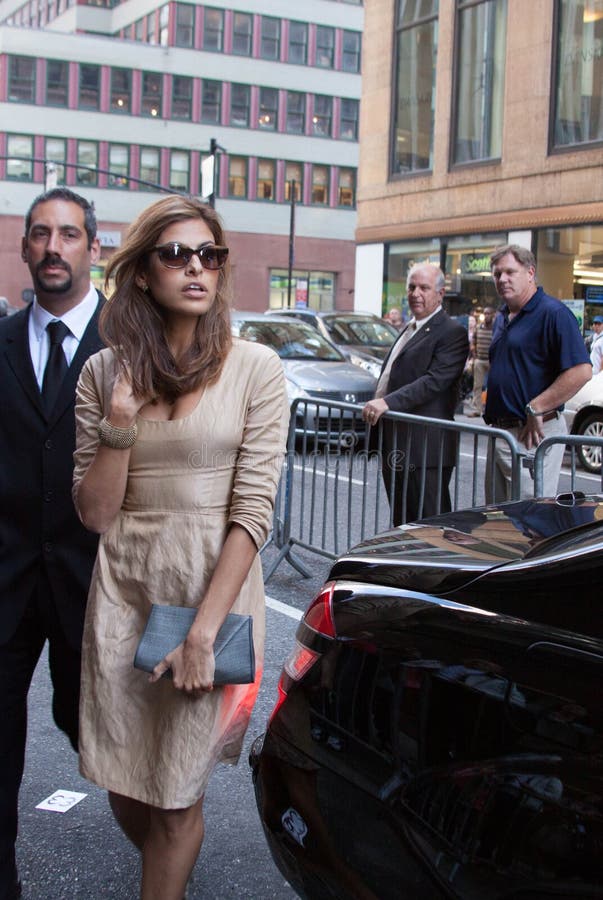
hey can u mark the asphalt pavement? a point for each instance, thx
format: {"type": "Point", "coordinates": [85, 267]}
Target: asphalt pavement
{"type": "Point", "coordinates": [82, 854]}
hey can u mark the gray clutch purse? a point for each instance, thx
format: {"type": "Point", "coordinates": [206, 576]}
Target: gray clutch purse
{"type": "Point", "coordinates": [167, 626]}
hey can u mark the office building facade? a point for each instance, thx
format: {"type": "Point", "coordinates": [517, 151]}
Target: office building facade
{"type": "Point", "coordinates": [114, 98]}
{"type": "Point", "coordinates": [482, 124]}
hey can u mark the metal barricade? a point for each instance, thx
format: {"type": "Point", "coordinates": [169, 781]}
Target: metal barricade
{"type": "Point", "coordinates": [571, 441]}
{"type": "Point", "coordinates": [332, 494]}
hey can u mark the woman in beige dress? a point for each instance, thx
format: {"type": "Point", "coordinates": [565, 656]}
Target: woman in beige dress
{"type": "Point", "coordinates": [180, 438]}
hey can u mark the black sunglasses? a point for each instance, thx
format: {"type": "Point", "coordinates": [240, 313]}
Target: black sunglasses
{"type": "Point", "coordinates": [177, 256]}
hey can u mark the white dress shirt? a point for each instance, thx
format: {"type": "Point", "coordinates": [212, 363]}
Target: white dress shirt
{"type": "Point", "coordinates": [413, 327]}
{"type": "Point", "coordinates": [75, 319]}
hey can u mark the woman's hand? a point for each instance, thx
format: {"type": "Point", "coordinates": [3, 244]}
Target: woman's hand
{"type": "Point", "coordinates": [125, 405]}
{"type": "Point", "coordinates": [192, 664]}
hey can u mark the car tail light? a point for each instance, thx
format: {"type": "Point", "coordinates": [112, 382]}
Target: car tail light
{"type": "Point", "coordinates": [319, 619]}
{"type": "Point", "coordinates": [319, 615]}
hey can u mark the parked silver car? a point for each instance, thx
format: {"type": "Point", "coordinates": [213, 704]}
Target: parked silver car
{"type": "Point", "coordinates": [584, 416]}
{"type": "Point", "coordinates": [315, 370]}
{"type": "Point", "coordinates": [363, 338]}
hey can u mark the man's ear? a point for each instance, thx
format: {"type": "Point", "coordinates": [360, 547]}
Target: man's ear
{"type": "Point", "coordinates": [95, 250]}
{"type": "Point", "coordinates": [24, 249]}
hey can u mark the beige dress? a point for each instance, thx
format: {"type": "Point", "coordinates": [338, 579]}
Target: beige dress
{"type": "Point", "coordinates": [188, 479]}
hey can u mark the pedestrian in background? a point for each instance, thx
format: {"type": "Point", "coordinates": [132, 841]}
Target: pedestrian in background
{"type": "Point", "coordinates": [180, 439]}
{"type": "Point", "coordinates": [482, 339]}
{"type": "Point", "coordinates": [538, 361]}
{"type": "Point", "coordinates": [47, 555]}
{"type": "Point", "coordinates": [596, 347]}
{"type": "Point", "coordinates": [395, 318]}
{"type": "Point", "coordinates": [420, 375]}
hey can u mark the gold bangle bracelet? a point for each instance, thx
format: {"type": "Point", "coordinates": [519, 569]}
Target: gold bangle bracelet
{"type": "Point", "coordinates": [117, 438]}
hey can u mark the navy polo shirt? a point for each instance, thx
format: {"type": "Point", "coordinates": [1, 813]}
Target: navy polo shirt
{"type": "Point", "coordinates": [528, 353]}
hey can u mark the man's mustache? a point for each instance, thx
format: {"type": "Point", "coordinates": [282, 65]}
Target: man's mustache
{"type": "Point", "coordinates": [55, 261]}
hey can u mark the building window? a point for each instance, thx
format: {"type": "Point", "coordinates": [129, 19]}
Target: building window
{"type": "Point", "coordinates": [89, 87]}
{"type": "Point", "coordinates": [19, 152]}
{"type": "Point", "coordinates": [480, 61]}
{"type": "Point", "coordinates": [185, 24]}
{"type": "Point", "coordinates": [182, 97]}
{"type": "Point", "coordinates": [242, 28]}
{"type": "Point", "coordinates": [179, 170]}
{"type": "Point", "coordinates": [348, 124]}
{"type": "Point", "coordinates": [149, 166]}
{"type": "Point", "coordinates": [296, 108]}
{"type": "Point", "coordinates": [346, 187]}
{"type": "Point", "coordinates": [237, 176]}
{"type": "Point", "coordinates": [164, 23]}
{"type": "Point", "coordinates": [121, 90]}
{"type": "Point", "coordinates": [119, 158]}
{"type": "Point", "coordinates": [139, 30]}
{"type": "Point", "coordinates": [314, 290]}
{"type": "Point", "coordinates": [298, 43]}
{"type": "Point", "coordinates": [239, 105]}
{"type": "Point", "coordinates": [322, 116]}
{"type": "Point", "coordinates": [294, 174]}
{"type": "Point", "coordinates": [350, 60]}
{"type": "Point", "coordinates": [265, 180]}
{"type": "Point", "coordinates": [325, 46]}
{"type": "Point", "coordinates": [416, 49]}
{"type": "Point", "coordinates": [55, 151]}
{"type": "Point", "coordinates": [268, 116]}
{"type": "Point", "coordinates": [578, 97]}
{"type": "Point", "coordinates": [211, 101]}
{"type": "Point", "coordinates": [22, 79]}
{"type": "Point", "coordinates": [150, 104]}
{"type": "Point", "coordinates": [87, 155]}
{"type": "Point", "coordinates": [213, 29]}
{"type": "Point", "coordinates": [320, 184]}
{"type": "Point", "coordinates": [57, 83]}
{"type": "Point", "coordinates": [270, 38]}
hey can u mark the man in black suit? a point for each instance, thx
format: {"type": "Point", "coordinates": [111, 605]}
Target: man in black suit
{"type": "Point", "coordinates": [46, 555]}
{"type": "Point", "coordinates": [421, 376]}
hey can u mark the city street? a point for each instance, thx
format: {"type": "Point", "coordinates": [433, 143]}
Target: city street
{"type": "Point", "coordinates": [81, 853]}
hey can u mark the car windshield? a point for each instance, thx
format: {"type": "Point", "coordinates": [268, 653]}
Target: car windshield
{"type": "Point", "coordinates": [355, 330]}
{"type": "Point", "coordinates": [291, 340]}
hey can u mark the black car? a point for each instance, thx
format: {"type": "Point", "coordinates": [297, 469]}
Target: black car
{"type": "Point", "coordinates": [439, 726]}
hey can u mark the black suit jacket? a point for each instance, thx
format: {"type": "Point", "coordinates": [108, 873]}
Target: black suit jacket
{"type": "Point", "coordinates": [424, 380]}
{"type": "Point", "coordinates": [39, 526]}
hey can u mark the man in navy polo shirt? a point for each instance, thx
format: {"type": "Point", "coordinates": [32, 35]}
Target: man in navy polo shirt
{"type": "Point", "coordinates": [537, 362]}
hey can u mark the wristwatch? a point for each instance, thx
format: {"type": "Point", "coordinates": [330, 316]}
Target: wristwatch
{"type": "Point", "coordinates": [531, 411]}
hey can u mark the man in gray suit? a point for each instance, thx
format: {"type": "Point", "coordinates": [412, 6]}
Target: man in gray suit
{"type": "Point", "coordinates": [46, 555]}
{"type": "Point", "coordinates": [421, 376]}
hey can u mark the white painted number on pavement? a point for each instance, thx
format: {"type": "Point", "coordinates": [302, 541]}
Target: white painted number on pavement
{"type": "Point", "coordinates": [61, 801]}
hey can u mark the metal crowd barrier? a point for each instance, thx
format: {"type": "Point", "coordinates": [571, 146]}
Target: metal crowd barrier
{"type": "Point", "coordinates": [571, 441]}
{"type": "Point", "coordinates": [332, 494]}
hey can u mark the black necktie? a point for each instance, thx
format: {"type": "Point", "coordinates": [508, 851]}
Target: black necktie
{"type": "Point", "coordinates": [56, 367]}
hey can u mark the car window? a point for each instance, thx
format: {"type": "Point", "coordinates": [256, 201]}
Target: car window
{"type": "Point", "coordinates": [291, 340]}
{"type": "Point", "coordinates": [360, 331]}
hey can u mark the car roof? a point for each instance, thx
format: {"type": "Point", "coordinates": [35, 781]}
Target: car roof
{"type": "Point", "coordinates": [322, 313]}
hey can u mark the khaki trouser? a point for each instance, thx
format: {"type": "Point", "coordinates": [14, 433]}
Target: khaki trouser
{"type": "Point", "coordinates": [480, 370]}
{"type": "Point", "coordinates": [498, 488]}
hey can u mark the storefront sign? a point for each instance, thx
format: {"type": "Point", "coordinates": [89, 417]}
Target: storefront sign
{"type": "Point", "coordinates": [474, 264]}
{"type": "Point", "coordinates": [109, 238]}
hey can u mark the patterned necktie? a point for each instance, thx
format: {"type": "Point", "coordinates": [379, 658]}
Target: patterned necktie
{"type": "Point", "coordinates": [56, 367]}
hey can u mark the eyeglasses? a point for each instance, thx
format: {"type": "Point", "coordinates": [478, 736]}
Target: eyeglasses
{"type": "Point", "coordinates": [177, 256]}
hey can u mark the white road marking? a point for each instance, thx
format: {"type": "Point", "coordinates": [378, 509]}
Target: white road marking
{"type": "Point", "coordinates": [284, 608]}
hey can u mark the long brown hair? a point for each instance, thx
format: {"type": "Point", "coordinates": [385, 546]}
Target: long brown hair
{"type": "Point", "coordinates": [132, 324]}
